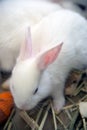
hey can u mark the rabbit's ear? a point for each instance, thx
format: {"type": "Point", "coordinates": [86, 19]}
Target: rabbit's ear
{"type": "Point", "coordinates": [26, 47]}
{"type": "Point", "coordinates": [49, 56]}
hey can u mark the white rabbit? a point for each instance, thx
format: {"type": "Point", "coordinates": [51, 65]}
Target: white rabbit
{"type": "Point", "coordinates": [14, 17]}
{"type": "Point", "coordinates": [37, 75]}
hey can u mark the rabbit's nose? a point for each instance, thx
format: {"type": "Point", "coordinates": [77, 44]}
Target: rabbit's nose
{"type": "Point", "coordinates": [24, 107]}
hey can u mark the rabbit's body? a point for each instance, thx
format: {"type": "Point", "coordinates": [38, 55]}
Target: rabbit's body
{"type": "Point", "coordinates": [79, 6]}
{"type": "Point", "coordinates": [51, 31]}
{"type": "Point", "coordinates": [15, 16]}
{"type": "Point", "coordinates": [46, 75]}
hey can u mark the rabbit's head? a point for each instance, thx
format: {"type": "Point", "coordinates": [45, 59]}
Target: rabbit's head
{"type": "Point", "coordinates": [26, 84]}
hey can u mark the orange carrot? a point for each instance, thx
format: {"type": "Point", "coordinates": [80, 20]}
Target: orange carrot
{"type": "Point", "coordinates": [6, 105]}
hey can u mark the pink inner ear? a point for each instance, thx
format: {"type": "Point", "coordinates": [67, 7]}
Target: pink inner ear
{"type": "Point", "coordinates": [29, 43]}
{"type": "Point", "coordinates": [26, 48]}
{"type": "Point", "coordinates": [49, 56]}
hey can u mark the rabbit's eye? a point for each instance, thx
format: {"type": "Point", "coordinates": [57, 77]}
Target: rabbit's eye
{"type": "Point", "coordinates": [35, 91]}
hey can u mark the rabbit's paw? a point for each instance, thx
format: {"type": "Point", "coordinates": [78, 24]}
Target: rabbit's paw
{"type": "Point", "coordinates": [58, 104]}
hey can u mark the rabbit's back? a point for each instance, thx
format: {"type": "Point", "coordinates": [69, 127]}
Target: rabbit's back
{"type": "Point", "coordinates": [67, 27]}
{"type": "Point", "coordinates": [15, 17]}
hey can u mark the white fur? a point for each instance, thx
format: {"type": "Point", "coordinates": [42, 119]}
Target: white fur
{"type": "Point", "coordinates": [15, 17]}
{"type": "Point", "coordinates": [62, 26]}
{"type": "Point", "coordinates": [71, 5]}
